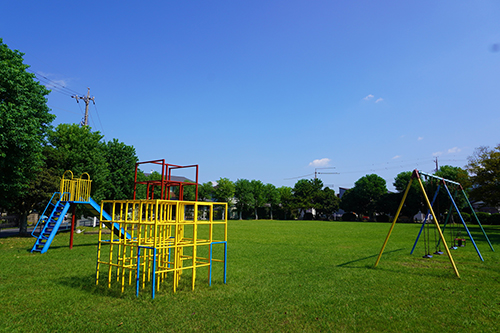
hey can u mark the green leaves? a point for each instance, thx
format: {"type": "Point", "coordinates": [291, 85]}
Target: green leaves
{"type": "Point", "coordinates": [24, 122]}
{"type": "Point", "coordinates": [364, 196]}
{"type": "Point", "coordinates": [484, 167]}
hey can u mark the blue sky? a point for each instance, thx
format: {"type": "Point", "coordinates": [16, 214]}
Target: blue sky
{"type": "Point", "coordinates": [271, 90]}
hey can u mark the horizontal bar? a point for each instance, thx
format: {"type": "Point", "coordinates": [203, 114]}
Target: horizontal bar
{"type": "Point", "coordinates": [443, 179]}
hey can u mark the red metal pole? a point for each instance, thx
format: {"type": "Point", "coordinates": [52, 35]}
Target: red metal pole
{"type": "Point", "coordinates": [73, 220]}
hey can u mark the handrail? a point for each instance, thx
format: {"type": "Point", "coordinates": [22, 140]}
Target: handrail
{"type": "Point", "coordinates": [77, 189]}
{"type": "Point", "coordinates": [43, 214]}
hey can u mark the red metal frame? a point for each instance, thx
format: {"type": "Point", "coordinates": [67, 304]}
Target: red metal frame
{"type": "Point", "coordinates": [166, 182]}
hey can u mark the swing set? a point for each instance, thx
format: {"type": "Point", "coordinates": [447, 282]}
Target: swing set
{"type": "Point", "coordinates": [457, 239]}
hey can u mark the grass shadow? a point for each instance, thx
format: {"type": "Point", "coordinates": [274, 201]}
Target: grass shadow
{"type": "Point", "coordinates": [365, 258]}
{"type": "Point", "coordinates": [87, 283]}
{"type": "Point", "coordinates": [74, 245]}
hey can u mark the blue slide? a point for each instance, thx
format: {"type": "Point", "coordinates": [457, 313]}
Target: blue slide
{"type": "Point", "coordinates": [58, 210]}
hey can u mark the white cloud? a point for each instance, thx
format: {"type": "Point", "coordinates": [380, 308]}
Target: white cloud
{"type": "Point", "coordinates": [454, 150]}
{"type": "Point", "coordinates": [396, 157]}
{"type": "Point", "coordinates": [438, 153]}
{"type": "Point", "coordinates": [420, 138]}
{"type": "Point", "coordinates": [367, 98]}
{"type": "Point", "coordinates": [379, 100]}
{"type": "Point", "coordinates": [320, 162]}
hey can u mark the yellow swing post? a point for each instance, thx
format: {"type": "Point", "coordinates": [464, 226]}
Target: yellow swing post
{"type": "Point", "coordinates": [394, 221]}
{"type": "Point", "coordinates": [416, 175]}
{"type": "Point", "coordinates": [437, 226]}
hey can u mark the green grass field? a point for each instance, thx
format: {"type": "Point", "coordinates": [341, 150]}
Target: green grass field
{"type": "Point", "coordinates": [282, 276]}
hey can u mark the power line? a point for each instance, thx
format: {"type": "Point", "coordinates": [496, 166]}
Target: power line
{"type": "Point", "coordinates": [420, 162]}
{"type": "Point", "coordinates": [99, 118]}
{"type": "Point", "coordinates": [55, 107]}
{"type": "Point", "coordinates": [53, 84]}
{"type": "Point", "coordinates": [300, 176]}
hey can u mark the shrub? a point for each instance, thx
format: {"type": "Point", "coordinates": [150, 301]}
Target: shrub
{"type": "Point", "coordinates": [465, 216]}
{"type": "Point", "coordinates": [382, 218]}
{"type": "Point", "coordinates": [350, 217]}
{"type": "Point", "coordinates": [494, 219]}
{"type": "Point", "coordinates": [483, 217]}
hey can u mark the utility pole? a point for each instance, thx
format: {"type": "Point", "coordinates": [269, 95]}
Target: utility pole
{"type": "Point", "coordinates": [86, 99]}
{"type": "Point", "coordinates": [437, 167]}
{"type": "Point", "coordinates": [316, 173]}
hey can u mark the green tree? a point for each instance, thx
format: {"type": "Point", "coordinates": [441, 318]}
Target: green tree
{"type": "Point", "coordinates": [272, 197]}
{"type": "Point", "coordinates": [364, 196]}
{"type": "Point", "coordinates": [326, 202]}
{"type": "Point", "coordinates": [121, 161]}
{"type": "Point", "coordinates": [24, 122]}
{"type": "Point", "coordinates": [140, 191]}
{"type": "Point", "coordinates": [243, 196]}
{"type": "Point", "coordinates": [258, 194]}
{"type": "Point", "coordinates": [286, 204]}
{"type": "Point", "coordinates": [413, 202]}
{"type": "Point", "coordinates": [456, 174]}
{"type": "Point", "coordinates": [205, 191]}
{"type": "Point", "coordinates": [224, 191]}
{"type": "Point", "coordinates": [484, 168]}
{"type": "Point", "coordinates": [305, 193]}
{"type": "Point", "coordinates": [81, 150]}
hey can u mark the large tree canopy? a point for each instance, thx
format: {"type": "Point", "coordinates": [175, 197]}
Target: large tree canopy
{"type": "Point", "coordinates": [243, 196]}
{"type": "Point", "coordinates": [81, 150]}
{"type": "Point", "coordinates": [224, 191]}
{"type": "Point", "coordinates": [364, 196]}
{"type": "Point", "coordinates": [484, 168]}
{"type": "Point", "coordinates": [306, 193]}
{"type": "Point", "coordinates": [121, 161]}
{"type": "Point", "coordinates": [24, 122]}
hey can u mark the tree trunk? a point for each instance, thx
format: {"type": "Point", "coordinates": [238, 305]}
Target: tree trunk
{"type": "Point", "coordinates": [23, 224]}
{"type": "Point", "coordinates": [256, 216]}
{"type": "Point", "coordinates": [271, 212]}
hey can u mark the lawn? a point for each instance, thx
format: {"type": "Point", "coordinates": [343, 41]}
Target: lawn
{"type": "Point", "coordinates": [282, 276]}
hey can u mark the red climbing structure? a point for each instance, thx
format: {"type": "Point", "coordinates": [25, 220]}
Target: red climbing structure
{"type": "Point", "coordinates": [167, 181]}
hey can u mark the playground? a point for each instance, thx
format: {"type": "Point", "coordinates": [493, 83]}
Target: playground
{"type": "Point", "coordinates": [276, 275]}
{"type": "Point", "coordinates": [282, 276]}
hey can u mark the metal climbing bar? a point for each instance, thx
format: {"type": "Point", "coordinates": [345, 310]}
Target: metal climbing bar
{"type": "Point", "coordinates": [168, 239]}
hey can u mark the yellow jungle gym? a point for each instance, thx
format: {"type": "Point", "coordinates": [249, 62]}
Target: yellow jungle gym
{"type": "Point", "coordinates": [159, 237]}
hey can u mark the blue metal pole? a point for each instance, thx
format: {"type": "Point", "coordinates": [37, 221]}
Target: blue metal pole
{"type": "Point", "coordinates": [425, 220]}
{"type": "Point", "coordinates": [154, 271]}
{"type": "Point", "coordinates": [225, 261]}
{"type": "Point", "coordinates": [210, 267]}
{"type": "Point", "coordinates": [477, 219]}
{"type": "Point", "coordinates": [138, 270]}
{"type": "Point", "coordinates": [463, 222]}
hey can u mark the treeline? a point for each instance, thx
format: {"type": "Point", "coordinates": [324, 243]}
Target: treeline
{"type": "Point", "coordinates": [252, 199]}
{"type": "Point", "coordinates": [34, 155]}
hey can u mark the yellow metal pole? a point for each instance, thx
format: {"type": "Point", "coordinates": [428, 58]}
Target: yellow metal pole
{"type": "Point", "coordinates": [394, 221]}
{"type": "Point", "coordinates": [99, 245]}
{"type": "Point", "coordinates": [438, 228]}
{"type": "Point", "coordinates": [195, 236]}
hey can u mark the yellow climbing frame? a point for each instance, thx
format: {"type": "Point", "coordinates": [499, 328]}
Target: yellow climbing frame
{"type": "Point", "coordinates": [180, 233]}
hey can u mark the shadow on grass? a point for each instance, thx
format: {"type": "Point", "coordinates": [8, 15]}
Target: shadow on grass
{"type": "Point", "coordinates": [87, 283]}
{"type": "Point", "coordinates": [365, 258]}
{"type": "Point", "coordinates": [74, 245]}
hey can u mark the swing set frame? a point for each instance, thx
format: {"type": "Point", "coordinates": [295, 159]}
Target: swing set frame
{"type": "Point", "coordinates": [416, 175]}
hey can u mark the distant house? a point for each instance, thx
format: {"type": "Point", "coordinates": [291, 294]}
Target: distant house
{"type": "Point", "coordinates": [338, 214]}
{"type": "Point", "coordinates": [480, 206]}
